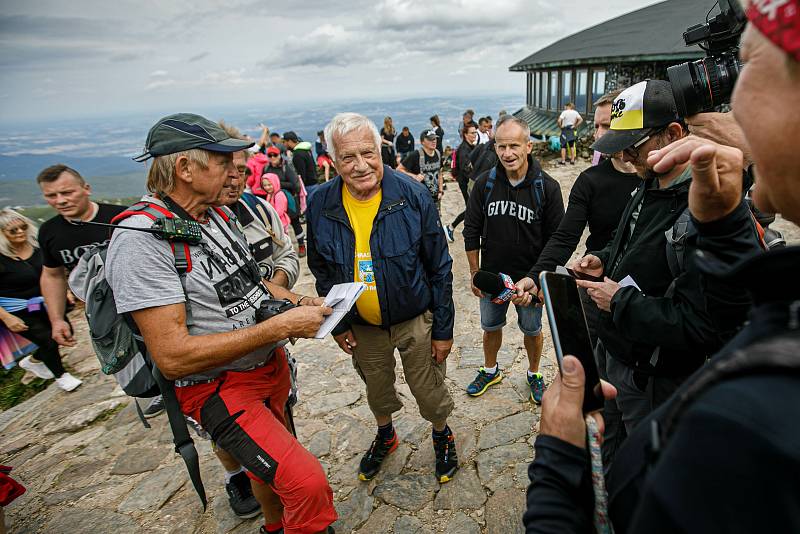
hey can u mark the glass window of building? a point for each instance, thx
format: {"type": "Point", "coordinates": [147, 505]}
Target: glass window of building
{"type": "Point", "coordinates": [581, 88]}
{"type": "Point", "coordinates": [598, 84]}
{"type": "Point", "coordinates": [544, 84]}
{"type": "Point", "coordinates": [553, 105]}
{"type": "Point", "coordinates": [566, 88]}
{"type": "Point", "coordinates": [529, 89]}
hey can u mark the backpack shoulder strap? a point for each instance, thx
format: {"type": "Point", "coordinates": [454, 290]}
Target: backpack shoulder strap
{"type": "Point", "coordinates": [180, 251]}
{"type": "Point", "coordinates": [184, 445]}
{"type": "Point", "coordinates": [676, 243]}
{"type": "Point", "coordinates": [489, 186]}
{"type": "Point", "coordinates": [148, 209]}
{"type": "Point", "coordinates": [538, 191]}
{"type": "Point", "coordinates": [256, 206]}
{"type": "Point", "coordinates": [487, 192]}
{"type": "Point", "coordinates": [253, 205]}
{"type": "Point", "coordinates": [229, 218]}
{"type": "Point", "coordinates": [777, 356]}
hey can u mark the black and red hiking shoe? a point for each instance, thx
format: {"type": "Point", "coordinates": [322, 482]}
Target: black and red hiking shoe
{"type": "Point", "coordinates": [444, 447]}
{"type": "Point", "coordinates": [372, 460]}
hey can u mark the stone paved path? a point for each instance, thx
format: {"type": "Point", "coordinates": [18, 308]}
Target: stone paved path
{"type": "Point", "coordinates": [90, 466]}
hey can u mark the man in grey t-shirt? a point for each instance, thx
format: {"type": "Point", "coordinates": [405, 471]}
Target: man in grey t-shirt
{"type": "Point", "coordinates": [227, 367]}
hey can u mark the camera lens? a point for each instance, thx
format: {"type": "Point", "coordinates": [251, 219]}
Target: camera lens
{"type": "Point", "coordinates": [702, 85]}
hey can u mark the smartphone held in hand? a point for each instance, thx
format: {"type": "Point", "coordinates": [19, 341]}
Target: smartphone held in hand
{"type": "Point", "coordinates": [570, 332]}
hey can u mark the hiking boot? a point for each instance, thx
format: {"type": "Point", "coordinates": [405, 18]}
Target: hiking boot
{"type": "Point", "coordinates": [536, 383]}
{"type": "Point", "coordinates": [572, 162]}
{"type": "Point", "coordinates": [449, 232]}
{"type": "Point", "coordinates": [562, 162]}
{"type": "Point", "coordinates": [155, 408]}
{"type": "Point", "coordinates": [263, 530]}
{"type": "Point", "coordinates": [482, 382]}
{"type": "Point", "coordinates": [240, 496]}
{"type": "Point", "coordinates": [67, 382]}
{"type": "Point", "coordinates": [37, 368]}
{"type": "Point", "coordinates": [301, 251]}
{"type": "Point", "coordinates": [444, 448]}
{"type": "Point", "coordinates": [372, 460]}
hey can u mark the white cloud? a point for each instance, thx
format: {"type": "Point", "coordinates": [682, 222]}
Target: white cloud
{"type": "Point", "coordinates": [148, 53]}
{"type": "Point", "coordinates": [159, 84]}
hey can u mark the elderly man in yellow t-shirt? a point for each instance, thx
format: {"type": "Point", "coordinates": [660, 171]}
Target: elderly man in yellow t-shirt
{"type": "Point", "coordinates": [379, 227]}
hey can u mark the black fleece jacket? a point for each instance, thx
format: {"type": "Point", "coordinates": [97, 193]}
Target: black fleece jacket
{"type": "Point", "coordinates": [463, 171]}
{"type": "Point", "coordinates": [304, 164]}
{"type": "Point", "coordinates": [516, 228]}
{"type": "Point", "coordinates": [598, 198]}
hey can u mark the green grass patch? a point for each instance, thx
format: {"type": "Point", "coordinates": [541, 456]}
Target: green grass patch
{"type": "Point", "coordinates": [12, 391]}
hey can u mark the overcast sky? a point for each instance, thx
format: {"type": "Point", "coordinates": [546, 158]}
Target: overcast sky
{"type": "Point", "coordinates": [87, 58]}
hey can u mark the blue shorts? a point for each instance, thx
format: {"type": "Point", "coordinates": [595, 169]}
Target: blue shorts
{"type": "Point", "coordinates": [493, 317]}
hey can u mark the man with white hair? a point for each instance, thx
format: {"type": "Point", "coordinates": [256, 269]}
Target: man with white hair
{"type": "Point", "coordinates": [377, 226]}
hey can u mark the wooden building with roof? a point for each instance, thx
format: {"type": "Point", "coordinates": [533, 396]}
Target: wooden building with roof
{"type": "Point", "coordinates": [616, 53]}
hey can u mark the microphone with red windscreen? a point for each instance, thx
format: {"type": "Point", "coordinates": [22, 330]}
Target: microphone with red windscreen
{"type": "Point", "coordinates": [499, 287]}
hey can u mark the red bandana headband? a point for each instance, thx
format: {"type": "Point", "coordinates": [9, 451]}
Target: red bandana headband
{"type": "Point", "coordinates": [779, 21]}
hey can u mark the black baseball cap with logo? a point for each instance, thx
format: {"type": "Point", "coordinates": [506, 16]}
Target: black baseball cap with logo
{"type": "Point", "coordinates": [428, 134]}
{"type": "Point", "coordinates": [187, 131]}
{"type": "Point", "coordinates": [636, 114]}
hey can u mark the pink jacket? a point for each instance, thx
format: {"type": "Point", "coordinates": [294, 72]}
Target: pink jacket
{"type": "Point", "coordinates": [256, 164]}
{"type": "Point", "coordinates": [277, 198]}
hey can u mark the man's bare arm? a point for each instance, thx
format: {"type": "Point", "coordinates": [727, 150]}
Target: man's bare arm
{"type": "Point", "coordinates": [417, 177]}
{"type": "Point", "coordinates": [54, 290]}
{"type": "Point", "coordinates": [178, 353]}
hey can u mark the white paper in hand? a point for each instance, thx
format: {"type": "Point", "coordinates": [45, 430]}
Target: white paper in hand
{"type": "Point", "coordinates": [629, 281]}
{"type": "Point", "coordinates": [341, 298]}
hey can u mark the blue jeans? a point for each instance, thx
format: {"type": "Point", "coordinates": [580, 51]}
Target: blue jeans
{"type": "Point", "coordinates": [493, 317]}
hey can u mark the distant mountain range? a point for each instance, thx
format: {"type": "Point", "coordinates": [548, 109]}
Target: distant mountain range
{"type": "Point", "coordinates": [101, 150]}
{"type": "Point", "coordinates": [26, 192]}
{"type": "Point", "coordinates": [27, 166]}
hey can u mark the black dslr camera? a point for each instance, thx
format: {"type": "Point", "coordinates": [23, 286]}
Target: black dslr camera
{"type": "Point", "coordinates": [705, 84]}
{"type": "Point", "coordinates": [270, 308]}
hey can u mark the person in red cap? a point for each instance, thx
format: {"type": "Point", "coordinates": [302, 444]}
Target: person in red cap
{"type": "Point", "coordinates": [723, 453]}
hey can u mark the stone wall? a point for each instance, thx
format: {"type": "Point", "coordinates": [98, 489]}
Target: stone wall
{"type": "Point", "coordinates": [627, 74]}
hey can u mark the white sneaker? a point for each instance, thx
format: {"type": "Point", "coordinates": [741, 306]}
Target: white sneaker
{"type": "Point", "coordinates": [67, 382]}
{"type": "Point", "coordinates": [37, 368]}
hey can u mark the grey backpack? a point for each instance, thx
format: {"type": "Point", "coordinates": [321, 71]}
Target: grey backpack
{"type": "Point", "coordinates": [119, 347]}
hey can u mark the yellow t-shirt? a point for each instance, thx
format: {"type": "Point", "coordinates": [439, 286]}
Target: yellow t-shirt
{"type": "Point", "coordinates": [362, 214]}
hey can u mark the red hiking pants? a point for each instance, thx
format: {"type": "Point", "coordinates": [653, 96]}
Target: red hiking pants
{"type": "Point", "coordinates": [244, 413]}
